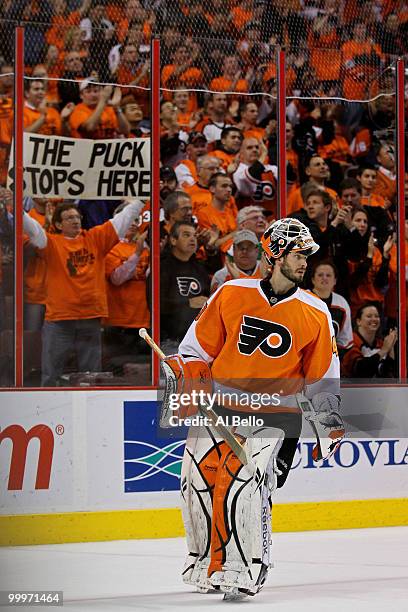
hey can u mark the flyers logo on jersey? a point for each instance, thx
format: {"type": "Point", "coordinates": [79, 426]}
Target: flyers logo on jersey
{"type": "Point", "coordinates": [264, 191]}
{"type": "Point", "coordinates": [188, 286]}
{"type": "Point", "coordinates": [272, 339]}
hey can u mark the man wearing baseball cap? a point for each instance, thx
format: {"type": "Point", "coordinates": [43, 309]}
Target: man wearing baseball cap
{"type": "Point", "coordinates": [99, 115]}
{"type": "Point", "coordinates": [244, 262]}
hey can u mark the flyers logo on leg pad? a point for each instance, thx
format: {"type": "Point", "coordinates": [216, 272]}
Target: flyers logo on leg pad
{"type": "Point", "coordinates": [273, 339]}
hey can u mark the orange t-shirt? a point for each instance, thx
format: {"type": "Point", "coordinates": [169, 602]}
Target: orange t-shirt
{"type": "Point", "coordinates": [189, 79]}
{"type": "Point", "coordinates": [35, 290]}
{"type": "Point", "coordinates": [124, 76]}
{"type": "Point", "coordinates": [199, 195]}
{"type": "Point", "coordinates": [385, 186]}
{"type": "Point", "coordinates": [6, 134]}
{"type": "Point", "coordinates": [188, 163]}
{"type": "Point", "coordinates": [107, 127]}
{"type": "Point", "coordinates": [366, 290]}
{"type": "Point", "coordinates": [123, 30]}
{"type": "Point", "coordinates": [223, 84]}
{"type": "Point", "coordinates": [76, 273]}
{"type": "Point", "coordinates": [325, 55]}
{"type": "Point", "coordinates": [337, 149]}
{"type": "Point", "coordinates": [373, 200]}
{"type": "Point", "coordinates": [225, 220]}
{"type": "Point", "coordinates": [127, 303]}
{"type": "Point", "coordinates": [254, 132]}
{"type": "Point", "coordinates": [6, 120]}
{"type": "Point", "coordinates": [56, 34]}
{"type": "Point", "coordinates": [357, 76]}
{"type": "Point", "coordinates": [52, 125]}
{"type": "Point", "coordinates": [226, 158]}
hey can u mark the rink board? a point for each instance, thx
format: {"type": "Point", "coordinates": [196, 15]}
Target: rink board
{"type": "Point", "coordinates": [89, 465]}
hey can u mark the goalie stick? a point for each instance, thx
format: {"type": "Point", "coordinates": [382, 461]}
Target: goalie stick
{"type": "Point", "coordinates": [205, 409]}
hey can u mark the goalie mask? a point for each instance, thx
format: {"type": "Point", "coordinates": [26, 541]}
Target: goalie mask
{"type": "Point", "coordinates": [286, 236]}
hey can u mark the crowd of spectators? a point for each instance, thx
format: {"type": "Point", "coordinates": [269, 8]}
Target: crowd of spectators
{"type": "Point", "coordinates": [88, 69]}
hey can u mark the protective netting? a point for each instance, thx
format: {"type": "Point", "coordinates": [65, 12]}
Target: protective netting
{"type": "Point", "coordinates": [218, 65]}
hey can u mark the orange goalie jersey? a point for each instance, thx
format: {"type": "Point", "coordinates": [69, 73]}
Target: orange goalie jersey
{"type": "Point", "coordinates": [259, 343]}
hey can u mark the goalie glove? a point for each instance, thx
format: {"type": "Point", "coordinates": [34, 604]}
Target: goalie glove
{"type": "Point", "coordinates": [183, 375]}
{"type": "Point", "coordinates": [325, 421]}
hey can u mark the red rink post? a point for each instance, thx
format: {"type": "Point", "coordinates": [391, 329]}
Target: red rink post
{"type": "Point", "coordinates": [281, 125]}
{"type": "Point", "coordinates": [402, 295]}
{"type": "Point", "coordinates": [18, 204]}
{"type": "Point", "coordinates": [155, 202]}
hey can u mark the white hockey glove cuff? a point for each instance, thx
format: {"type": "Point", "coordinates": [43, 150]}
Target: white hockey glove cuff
{"type": "Point", "coordinates": [325, 421]}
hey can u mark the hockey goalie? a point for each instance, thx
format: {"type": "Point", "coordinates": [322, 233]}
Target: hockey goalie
{"type": "Point", "coordinates": [252, 334]}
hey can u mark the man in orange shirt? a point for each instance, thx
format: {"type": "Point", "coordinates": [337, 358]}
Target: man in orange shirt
{"type": "Point", "coordinates": [125, 268]}
{"type": "Point", "coordinates": [228, 149]}
{"type": "Point", "coordinates": [221, 212]}
{"type": "Point", "coordinates": [367, 176]}
{"type": "Point", "coordinates": [318, 173]}
{"type": "Point", "coordinates": [249, 116]}
{"type": "Point", "coordinates": [386, 183]}
{"type": "Point", "coordinates": [35, 290]}
{"type": "Point", "coordinates": [182, 74]}
{"type": "Point", "coordinates": [40, 118]}
{"type": "Point", "coordinates": [207, 166]}
{"type": "Point", "coordinates": [99, 115]}
{"type": "Point", "coordinates": [361, 60]}
{"type": "Point", "coordinates": [133, 70]}
{"type": "Point", "coordinates": [186, 169]}
{"type": "Point", "coordinates": [231, 78]}
{"type": "Point", "coordinates": [76, 293]}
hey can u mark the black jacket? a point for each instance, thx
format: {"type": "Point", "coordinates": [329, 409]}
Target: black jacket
{"type": "Point", "coordinates": [180, 281]}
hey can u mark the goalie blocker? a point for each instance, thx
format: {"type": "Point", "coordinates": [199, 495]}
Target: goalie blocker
{"type": "Point", "coordinates": [183, 376]}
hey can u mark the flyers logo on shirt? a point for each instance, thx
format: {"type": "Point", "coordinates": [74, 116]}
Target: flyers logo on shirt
{"type": "Point", "coordinates": [272, 339]}
{"type": "Point", "coordinates": [188, 286]}
{"type": "Point", "coordinates": [264, 191]}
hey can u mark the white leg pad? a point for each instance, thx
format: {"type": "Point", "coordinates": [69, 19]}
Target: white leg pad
{"type": "Point", "coordinates": [247, 551]}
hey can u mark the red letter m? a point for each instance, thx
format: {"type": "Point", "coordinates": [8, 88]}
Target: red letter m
{"type": "Point", "coordinates": [20, 439]}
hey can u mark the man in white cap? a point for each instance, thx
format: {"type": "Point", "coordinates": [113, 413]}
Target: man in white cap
{"type": "Point", "coordinates": [99, 115]}
{"type": "Point", "coordinates": [244, 261]}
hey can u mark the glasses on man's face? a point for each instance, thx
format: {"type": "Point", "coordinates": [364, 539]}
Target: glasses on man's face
{"type": "Point", "coordinates": [185, 208]}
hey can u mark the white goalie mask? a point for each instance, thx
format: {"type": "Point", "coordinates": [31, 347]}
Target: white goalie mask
{"type": "Point", "coordinates": [287, 235]}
